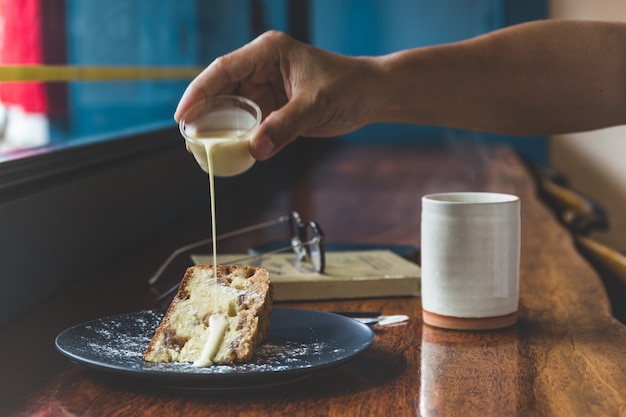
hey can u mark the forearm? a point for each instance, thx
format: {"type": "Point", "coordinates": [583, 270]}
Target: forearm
{"type": "Point", "coordinates": [532, 79]}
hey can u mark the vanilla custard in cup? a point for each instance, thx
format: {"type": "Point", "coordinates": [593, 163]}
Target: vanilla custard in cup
{"type": "Point", "coordinates": [218, 132]}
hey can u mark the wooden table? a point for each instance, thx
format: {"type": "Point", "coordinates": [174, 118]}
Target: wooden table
{"type": "Point", "coordinates": [565, 357]}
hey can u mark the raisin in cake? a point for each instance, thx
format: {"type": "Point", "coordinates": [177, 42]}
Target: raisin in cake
{"type": "Point", "coordinates": [214, 320]}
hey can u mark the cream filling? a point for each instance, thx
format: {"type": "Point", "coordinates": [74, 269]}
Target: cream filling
{"type": "Point", "coordinates": [217, 329]}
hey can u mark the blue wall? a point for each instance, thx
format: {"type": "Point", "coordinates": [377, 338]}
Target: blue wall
{"type": "Point", "coordinates": [376, 27]}
{"type": "Point", "coordinates": [194, 32]}
{"type": "Point", "coordinates": [143, 33]}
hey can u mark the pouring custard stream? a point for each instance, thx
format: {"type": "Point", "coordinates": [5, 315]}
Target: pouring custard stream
{"type": "Point", "coordinates": [220, 154]}
{"type": "Point", "coordinates": [217, 132]}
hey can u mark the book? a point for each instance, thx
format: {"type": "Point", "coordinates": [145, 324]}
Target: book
{"type": "Point", "coordinates": [348, 274]}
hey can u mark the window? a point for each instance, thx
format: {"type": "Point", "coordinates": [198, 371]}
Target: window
{"type": "Point", "coordinates": [91, 163]}
{"type": "Point", "coordinates": [78, 71]}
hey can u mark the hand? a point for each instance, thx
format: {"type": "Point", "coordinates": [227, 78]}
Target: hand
{"type": "Point", "coordinates": [302, 90]}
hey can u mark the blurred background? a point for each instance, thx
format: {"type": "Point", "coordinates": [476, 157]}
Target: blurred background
{"type": "Point", "coordinates": [82, 147]}
{"type": "Point", "coordinates": [160, 34]}
{"type": "Point", "coordinates": [39, 117]}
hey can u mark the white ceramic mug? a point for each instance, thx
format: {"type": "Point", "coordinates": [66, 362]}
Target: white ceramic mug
{"type": "Point", "coordinates": [470, 250]}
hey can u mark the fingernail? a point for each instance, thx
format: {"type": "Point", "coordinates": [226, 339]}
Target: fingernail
{"type": "Point", "coordinates": [263, 147]}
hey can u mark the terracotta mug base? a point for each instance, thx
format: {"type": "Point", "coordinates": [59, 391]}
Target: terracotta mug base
{"type": "Point", "coordinates": [469, 323]}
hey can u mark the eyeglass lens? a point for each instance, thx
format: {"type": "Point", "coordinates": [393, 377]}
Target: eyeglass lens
{"type": "Point", "coordinates": [307, 242]}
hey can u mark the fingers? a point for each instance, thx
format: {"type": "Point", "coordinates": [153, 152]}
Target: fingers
{"type": "Point", "coordinates": [281, 127]}
{"type": "Point", "coordinates": [262, 147]}
{"type": "Point", "coordinates": [264, 72]}
{"type": "Point", "coordinates": [217, 78]}
{"type": "Point", "coordinates": [225, 73]}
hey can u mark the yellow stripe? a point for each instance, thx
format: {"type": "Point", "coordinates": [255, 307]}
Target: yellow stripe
{"type": "Point", "coordinates": [50, 73]}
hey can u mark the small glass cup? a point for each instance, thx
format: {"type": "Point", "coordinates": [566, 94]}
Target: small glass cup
{"type": "Point", "coordinates": [221, 127]}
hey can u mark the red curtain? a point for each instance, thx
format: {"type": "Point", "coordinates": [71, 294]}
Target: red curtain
{"type": "Point", "coordinates": [34, 34]}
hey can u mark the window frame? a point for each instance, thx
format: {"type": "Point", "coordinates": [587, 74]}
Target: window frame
{"type": "Point", "coordinates": [64, 212]}
{"type": "Point", "coordinates": [28, 171]}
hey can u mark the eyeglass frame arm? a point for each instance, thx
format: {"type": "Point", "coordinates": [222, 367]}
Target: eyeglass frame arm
{"type": "Point", "coordinates": [154, 278]}
{"type": "Point", "coordinates": [316, 239]}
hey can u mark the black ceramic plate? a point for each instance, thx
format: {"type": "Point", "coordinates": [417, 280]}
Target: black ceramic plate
{"type": "Point", "coordinates": [299, 343]}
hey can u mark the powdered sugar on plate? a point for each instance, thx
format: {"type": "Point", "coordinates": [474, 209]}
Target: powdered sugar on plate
{"type": "Point", "coordinates": [298, 341]}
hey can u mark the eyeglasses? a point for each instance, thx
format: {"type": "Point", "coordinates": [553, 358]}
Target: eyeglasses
{"type": "Point", "coordinates": [307, 243]}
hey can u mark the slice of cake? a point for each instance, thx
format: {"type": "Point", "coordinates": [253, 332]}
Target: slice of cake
{"type": "Point", "coordinates": [214, 320]}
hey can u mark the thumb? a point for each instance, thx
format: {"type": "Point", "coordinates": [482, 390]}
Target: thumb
{"type": "Point", "coordinates": [279, 128]}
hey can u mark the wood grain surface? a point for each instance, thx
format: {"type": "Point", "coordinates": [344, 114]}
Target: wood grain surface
{"type": "Point", "coordinates": [565, 357]}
